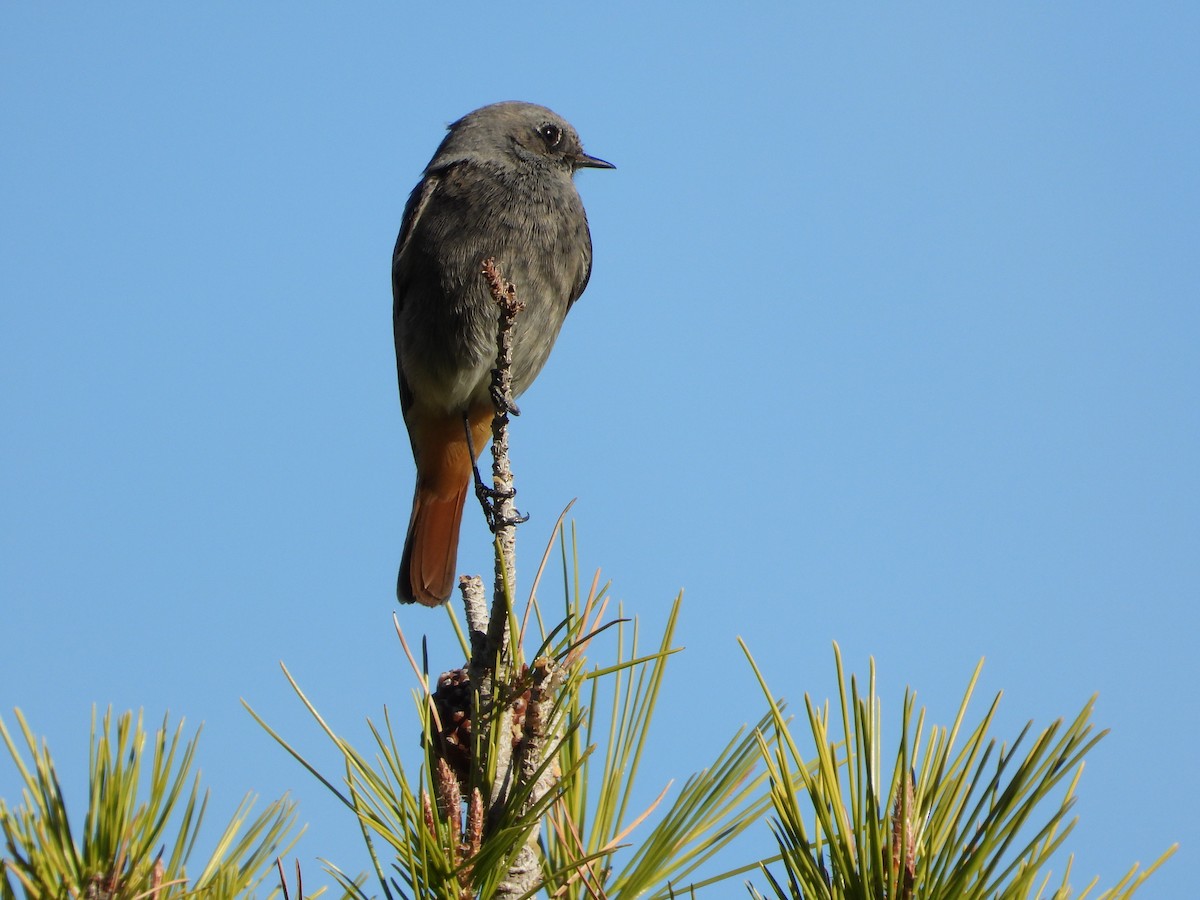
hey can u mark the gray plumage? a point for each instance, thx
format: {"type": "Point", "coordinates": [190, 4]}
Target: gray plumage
{"type": "Point", "coordinates": [500, 185]}
{"type": "Point", "coordinates": [497, 186]}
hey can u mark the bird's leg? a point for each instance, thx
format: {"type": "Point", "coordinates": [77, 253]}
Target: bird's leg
{"type": "Point", "coordinates": [482, 490]}
{"type": "Point", "coordinates": [488, 495]}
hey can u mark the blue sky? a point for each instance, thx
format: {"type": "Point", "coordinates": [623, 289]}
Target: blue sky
{"type": "Point", "coordinates": [891, 339]}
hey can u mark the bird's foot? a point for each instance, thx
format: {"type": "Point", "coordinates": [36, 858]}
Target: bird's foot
{"type": "Point", "coordinates": [490, 499]}
{"type": "Point", "coordinates": [503, 402]}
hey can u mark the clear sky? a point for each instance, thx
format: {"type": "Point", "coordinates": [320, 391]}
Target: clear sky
{"type": "Point", "coordinates": [892, 339]}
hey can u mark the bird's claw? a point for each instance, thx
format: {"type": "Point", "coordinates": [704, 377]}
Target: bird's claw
{"type": "Point", "coordinates": [503, 402]}
{"type": "Point", "coordinates": [489, 498]}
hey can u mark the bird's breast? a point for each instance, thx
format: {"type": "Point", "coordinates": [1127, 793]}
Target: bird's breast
{"type": "Point", "coordinates": [536, 231]}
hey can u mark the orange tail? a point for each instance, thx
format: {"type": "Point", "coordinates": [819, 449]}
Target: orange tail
{"type": "Point", "coordinates": [427, 568]}
{"type": "Point", "coordinates": [431, 548]}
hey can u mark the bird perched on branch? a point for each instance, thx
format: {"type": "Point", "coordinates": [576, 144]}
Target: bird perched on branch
{"type": "Point", "coordinates": [500, 185]}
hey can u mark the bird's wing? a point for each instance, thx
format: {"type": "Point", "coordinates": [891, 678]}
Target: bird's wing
{"type": "Point", "coordinates": [418, 201]}
{"type": "Point", "coordinates": [587, 265]}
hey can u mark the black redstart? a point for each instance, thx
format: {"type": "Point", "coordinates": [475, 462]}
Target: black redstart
{"type": "Point", "coordinates": [500, 185]}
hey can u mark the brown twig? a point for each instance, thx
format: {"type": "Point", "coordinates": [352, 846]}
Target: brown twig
{"type": "Point", "coordinates": [488, 657]}
{"type": "Point", "coordinates": [504, 511]}
{"type": "Point", "coordinates": [483, 656]}
{"type": "Point", "coordinates": [535, 730]}
{"type": "Point", "coordinates": [494, 669]}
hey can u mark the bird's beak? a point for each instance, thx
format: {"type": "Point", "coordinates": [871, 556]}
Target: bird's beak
{"type": "Point", "coordinates": [583, 161]}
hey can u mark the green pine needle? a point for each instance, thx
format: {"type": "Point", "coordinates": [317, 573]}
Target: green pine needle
{"type": "Point", "coordinates": [981, 821]}
{"type": "Point", "coordinates": [137, 838]}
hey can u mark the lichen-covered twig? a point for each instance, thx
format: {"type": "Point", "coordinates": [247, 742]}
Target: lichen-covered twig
{"type": "Point", "coordinates": [511, 703]}
{"type": "Point", "coordinates": [504, 517]}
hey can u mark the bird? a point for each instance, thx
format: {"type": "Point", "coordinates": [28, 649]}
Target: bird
{"type": "Point", "coordinates": [500, 185]}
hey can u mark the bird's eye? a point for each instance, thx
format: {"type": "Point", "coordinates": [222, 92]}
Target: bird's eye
{"type": "Point", "coordinates": [552, 133]}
